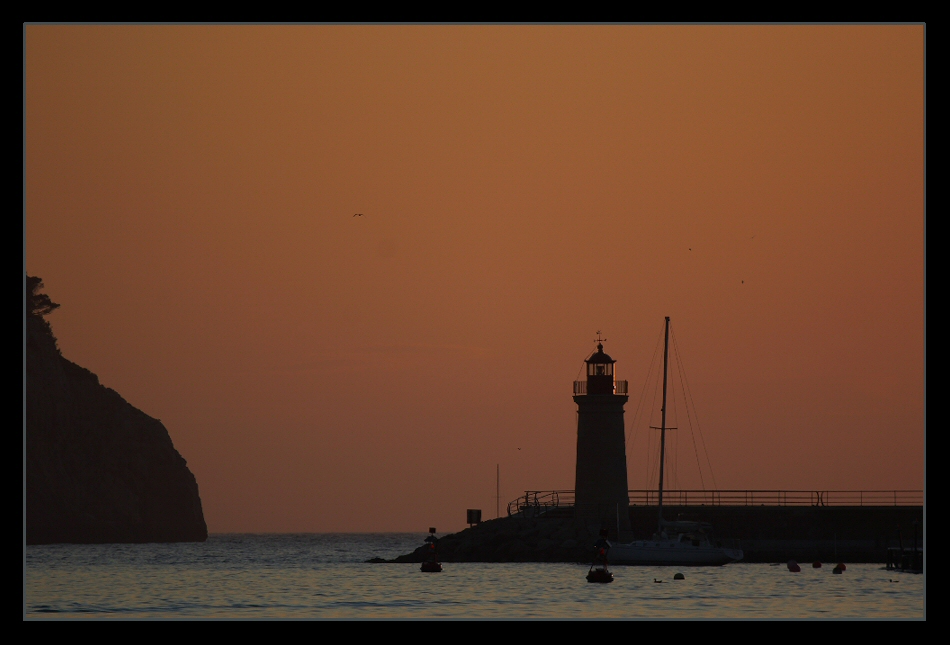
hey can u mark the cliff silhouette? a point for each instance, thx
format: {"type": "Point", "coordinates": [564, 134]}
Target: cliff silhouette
{"type": "Point", "coordinates": [98, 470]}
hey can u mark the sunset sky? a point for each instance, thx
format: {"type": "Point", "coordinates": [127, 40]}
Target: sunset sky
{"type": "Point", "coordinates": [190, 201]}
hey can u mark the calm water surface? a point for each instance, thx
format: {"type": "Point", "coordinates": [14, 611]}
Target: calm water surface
{"type": "Point", "coordinates": [326, 576]}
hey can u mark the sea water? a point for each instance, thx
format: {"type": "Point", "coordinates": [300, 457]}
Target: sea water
{"type": "Point", "coordinates": [326, 576]}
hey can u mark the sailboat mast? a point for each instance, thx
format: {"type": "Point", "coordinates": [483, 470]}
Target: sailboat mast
{"type": "Point", "coordinates": [666, 355]}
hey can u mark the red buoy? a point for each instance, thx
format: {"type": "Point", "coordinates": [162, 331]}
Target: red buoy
{"type": "Point", "coordinates": [431, 563]}
{"type": "Point", "coordinates": [842, 567]}
{"type": "Point", "coordinates": [816, 564]}
{"type": "Point", "coordinates": [793, 566]}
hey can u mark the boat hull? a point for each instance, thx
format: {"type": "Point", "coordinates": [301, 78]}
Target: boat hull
{"type": "Point", "coordinates": [672, 553]}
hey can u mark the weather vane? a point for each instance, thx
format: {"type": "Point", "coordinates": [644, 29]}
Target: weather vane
{"type": "Point", "coordinates": [599, 339]}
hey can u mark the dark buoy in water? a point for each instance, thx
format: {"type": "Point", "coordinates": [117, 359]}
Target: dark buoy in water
{"type": "Point", "coordinates": [598, 569]}
{"type": "Point", "coordinates": [793, 566]}
{"type": "Point", "coordinates": [816, 564]}
{"type": "Point", "coordinates": [837, 569]}
{"type": "Point", "coordinates": [841, 566]}
{"type": "Point", "coordinates": [599, 574]}
{"type": "Point", "coordinates": [431, 563]}
{"type": "Point", "coordinates": [679, 576]}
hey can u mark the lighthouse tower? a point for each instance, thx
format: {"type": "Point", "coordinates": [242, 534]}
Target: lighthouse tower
{"type": "Point", "coordinates": [600, 485]}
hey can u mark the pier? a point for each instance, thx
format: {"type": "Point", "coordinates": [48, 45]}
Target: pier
{"type": "Point", "coordinates": [772, 525]}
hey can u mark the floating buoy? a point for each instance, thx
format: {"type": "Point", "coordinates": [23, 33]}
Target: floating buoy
{"type": "Point", "coordinates": [837, 570]}
{"type": "Point", "coordinates": [793, 566]}
{"type": "Point", "coordinates": [600, 575]}
{"type": "Point", "coordinates": [431, 563]}
{"type": "Point", "coordinates": [842, 567]}
{"type": "Point", "coordinates": [816, 565]}
{"type": "Point", "coordinates": [679, 576]}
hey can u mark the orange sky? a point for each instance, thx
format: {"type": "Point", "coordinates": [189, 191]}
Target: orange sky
{"type": "Point", "coordinates": [190, 201]}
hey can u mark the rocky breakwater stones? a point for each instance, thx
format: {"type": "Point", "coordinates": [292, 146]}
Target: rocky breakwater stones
{"type": "Point", "coordinates": [514, 539]}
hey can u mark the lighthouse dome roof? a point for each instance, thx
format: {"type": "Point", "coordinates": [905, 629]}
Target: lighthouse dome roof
{"type": "Point", "coordinates": [599, 356]}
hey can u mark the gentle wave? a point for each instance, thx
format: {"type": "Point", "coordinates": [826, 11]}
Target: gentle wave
{"type": "Point", "coordinates": [326, 576]}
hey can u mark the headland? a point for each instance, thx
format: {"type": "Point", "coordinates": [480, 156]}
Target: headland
{"type": "Point", "coordinates": [98, 470]}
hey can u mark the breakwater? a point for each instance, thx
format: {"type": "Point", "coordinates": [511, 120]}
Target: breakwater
{"type": "Point", "coordinates": [764, 533]}
{"type": "Point", "coordinates": [782, 533]}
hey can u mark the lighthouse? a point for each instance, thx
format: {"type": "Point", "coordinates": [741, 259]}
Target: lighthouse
{"type": "Point", "coordinates": [600, 484]}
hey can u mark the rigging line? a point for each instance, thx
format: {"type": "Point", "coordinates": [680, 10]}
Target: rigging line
{"type": "Point", "coordinates": [656, 389]}
{"type": "Point", "coordinates": [654, 459]}
{"type": "Point", "coordinates": [581, 369]}
{"type": "Point", "coordinates": [670, 436]}
{"type": "Point", "coordinates": [681, 371]}
{"type": "Point", "coordinates": [699, 427]}
{"type": "Point", "coordinates": [651, 460]}
{"type": "Point", "coordinates": [636, 416]}
{"type": "Point", "coordinates": [674, 465]}
{"type": "Point", "coordinates": [648, 471]}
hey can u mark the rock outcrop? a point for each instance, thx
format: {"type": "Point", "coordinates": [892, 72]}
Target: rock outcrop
{"type": "Point", "coordinates": [513, 539]}
{"type": "Point", "coordinates": [97, 469]}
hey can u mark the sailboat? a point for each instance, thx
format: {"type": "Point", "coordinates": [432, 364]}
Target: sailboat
{"type": "Point", "coordinates": [674, 543]}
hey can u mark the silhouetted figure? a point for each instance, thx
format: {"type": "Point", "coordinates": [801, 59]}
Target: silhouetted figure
{"type": "Point", "coordinates": [600, 573]}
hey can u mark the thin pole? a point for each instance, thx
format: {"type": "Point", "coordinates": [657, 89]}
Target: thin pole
{"type": "Point", "coordinates": [915, 567]}
{"type": "Point", "coordinates": [497, 490]}
{"type": "Point", "coordinates": [666, 356]}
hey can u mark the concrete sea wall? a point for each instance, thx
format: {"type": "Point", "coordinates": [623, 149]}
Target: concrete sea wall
{"type": "Point", "coordinates": [764, 533]}
{"type": "Point", "coordinates": [803, 533]}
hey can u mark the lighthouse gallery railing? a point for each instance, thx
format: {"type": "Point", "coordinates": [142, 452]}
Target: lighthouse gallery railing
{"type": "Point", "coordinates": [580, 388]}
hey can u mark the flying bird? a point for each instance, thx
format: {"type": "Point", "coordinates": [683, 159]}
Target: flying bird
{"type": "Point", "coordinates": [358, 215]}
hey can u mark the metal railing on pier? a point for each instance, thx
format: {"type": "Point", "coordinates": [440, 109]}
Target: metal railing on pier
{"type": "Point", "coordinates": [538, 502]}
{"type": "Point", "coordinates": [778, 497]}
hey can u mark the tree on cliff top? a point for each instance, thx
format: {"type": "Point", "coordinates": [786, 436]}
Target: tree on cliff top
{"type": "Point", "coordinates": [37, 304]}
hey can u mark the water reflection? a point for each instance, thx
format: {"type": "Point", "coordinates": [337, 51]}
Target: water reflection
{"type": "Point", "coordinates": [325, 576]}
